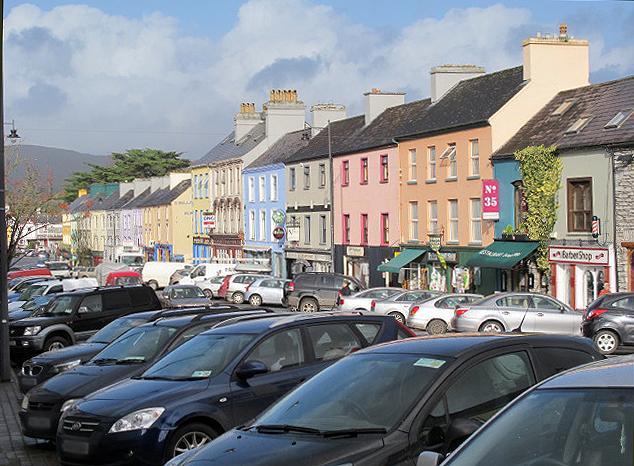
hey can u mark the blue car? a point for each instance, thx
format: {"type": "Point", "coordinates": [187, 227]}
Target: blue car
{"type": "Point", "coordinates": [219, 379]}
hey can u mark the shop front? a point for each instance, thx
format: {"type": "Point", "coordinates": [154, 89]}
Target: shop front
{"type": "Point", "coordinates": [226, 246]}
{"type": "Point", "coordinates": [163, 252]}
{"type": "Point", "coordinates": [362, 262]}
{"type": "Point", "coordinates": [580, 273]}
{"type": "Point", "coordinates": [259, 256]}
{"type": "Point", "coordinates": [299, 260]}
{"type": "Point", "coordinates": [201, 248]}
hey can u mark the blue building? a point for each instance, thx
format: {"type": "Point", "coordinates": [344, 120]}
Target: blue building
{"type": "Point", "coordinates": [264, 200]}
{"type": "Point", "coordinates": [507, 171]}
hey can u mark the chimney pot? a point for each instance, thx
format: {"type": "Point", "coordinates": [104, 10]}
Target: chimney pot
{"type": "Point", "coordinates": [563, 31]}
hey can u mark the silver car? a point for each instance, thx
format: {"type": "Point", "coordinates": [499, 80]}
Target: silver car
{"type": "Point", "coordinates": [265, 291]}
{"type": "Point", "coordinates": [434, 315]}
{"type": "Point", "coordinates": [398, 305]}
{"type": "Point", "coordinates": [362, 300]}
{"type": "Point", "coordinates": [211, 286]}
{"type": "Point", "coordinates": [238, 284]}
{"type": "Point", "coordinates": [527, 312]}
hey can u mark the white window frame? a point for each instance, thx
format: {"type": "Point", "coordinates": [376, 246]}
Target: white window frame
{"type": "Point", "coordinates": [432, 215]}
{"type": "Point", "coordinates": [474, 155]}
{"type": "Point", "coordinates": [251, 189]}
{"type": "Point", "coordinates": [412, 164]}
{"type": "Point", "coordinates": [252, 225]}
{"type": "Point", "coordinates": [323, 229]}
{"type": "Point", "coordinates": [262, 189]}
{"type": "Point", "coordinates": [450, 153]}
{"type": "Point", "coordinates": [307, 227]}
{"type": "Point", "coordinates": [262, 225]}
{"type": "Point", "coordinates": [454, 222]}
{"type": "Point", "coordinates": [476, 220]}
{"type": "Point", "coordinates": [431, 163]}
{"type": "Point", "coordinates": [273, 193]}
{"type": "Point", "coordinates": [414, 232]}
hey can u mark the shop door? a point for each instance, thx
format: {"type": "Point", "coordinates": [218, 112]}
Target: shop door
{"type": "Point", "coordinates": [631, 255]}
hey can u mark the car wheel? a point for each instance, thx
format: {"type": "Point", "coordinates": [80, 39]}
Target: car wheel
{"type": "Point", "coordinates": [237, 297]}
{"type": "Point", "coordinates": [255, 300]}
{"type": "Point", "coordinates": [208, 293]}
{"type": "Point", "coordinates": [55, 343]}
{"type": "Point", "coordinates": [153, 284]}
{"type": "Point", "coordinates": [398, 316]}
{"type": "Point", "coordinates": [188, 437]}
{"type": "Point", "coordinates": [491, 326]}
{"type": "Point", "coordinates": [436, 327]}
{"type": "Point", "coordinates": [309, 305]}
{"type": "Point", "coordinates": [606, 341]}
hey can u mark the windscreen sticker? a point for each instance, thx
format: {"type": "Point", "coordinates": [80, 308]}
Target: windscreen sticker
{"type": "Point", "coordinates": [201, 373]}
{"type": "Point", "coordinates": [431, 363]}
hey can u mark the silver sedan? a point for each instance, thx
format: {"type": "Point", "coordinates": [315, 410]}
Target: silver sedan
{"type": "Point", "coordinates": [265, 291]}
{"type": "Point", "coordinates": [362, 300]}
{"type": "Point", "coordinates": [526, 312]}
{"type": "Point", "coordinates": [434, 315]}
{"type": "Point", "coordinates": [398, 305]}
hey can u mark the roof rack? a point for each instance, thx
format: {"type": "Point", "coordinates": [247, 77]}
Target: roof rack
{"type": "Point", "coordinates": [254, 317]}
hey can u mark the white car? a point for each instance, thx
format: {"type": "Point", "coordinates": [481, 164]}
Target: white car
{"type": "Point", "coordinates": [398, 305]}
{"type": "Point", "coordinates": [206, 272]}
{"type": "Point", "coordinates": [211, 286]}
{"type": "Point", "coordinates": [362, 300]}
{"type": "Point", "coordinates": [59, 269]}
{"type": "Point", "coordinates": [157, 274]}
{"type": "Point", "coordinates": [434, 314]}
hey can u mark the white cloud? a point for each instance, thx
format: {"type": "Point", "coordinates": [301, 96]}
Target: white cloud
{"type": "Point", "coordinates": [76, 68]}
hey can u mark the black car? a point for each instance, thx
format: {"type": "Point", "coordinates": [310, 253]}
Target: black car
{"type": "Point", "coordinates": [127, 356]}
{"type": "Point", "coordinates": [46, 365]}
{"type": "Point", "coordinates": [219, 379]}
{"type": "Point", "coordinates": [76, 315]}
{"type": "Point", "coordinates": [314, 291]}
{"type": "Point", "coordinates": [609, 321]}
{"type": "Point", "coordinates": [387, 404]}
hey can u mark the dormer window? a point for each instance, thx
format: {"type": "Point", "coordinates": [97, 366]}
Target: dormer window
{"type": "Point", "coordinates": [578, 125]}
{"type": "Point", "coordinates": [564, 107]}
{"type": "Point", "coordinates": [618, 119]}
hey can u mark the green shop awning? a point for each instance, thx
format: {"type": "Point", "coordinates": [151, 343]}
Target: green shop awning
{"type": "Point", "coordinates": [502, 254]}
{"type": "Point", "coordinates": [406, 256]}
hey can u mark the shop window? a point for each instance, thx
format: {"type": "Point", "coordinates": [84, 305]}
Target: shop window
{"type": "Point", "coordinates": [385, 169]}
{"type": "Point", "coordinates": [363, 179]}
{"type": "Point", "coordinates": [580, 205]}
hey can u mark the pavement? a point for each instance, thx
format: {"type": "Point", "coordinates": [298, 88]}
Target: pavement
{"type": "Point", "coordinates": [15, 449]}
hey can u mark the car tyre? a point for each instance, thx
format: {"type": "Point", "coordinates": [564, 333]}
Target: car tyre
{"type": "Point", "coordinates": [255, 300]}
{"type": "Point", "coordinates": [309, 305]}
{"type": "Point", "coordinates": [153, 284]}
{"type": "Point", "coordinates": [606, 341]}
{"type": "Point", "coordinates": [436, 327]}
{"type": "Point", "coordinates": [208, 293]}
{"type": "Point", "coordinates": [237, 297]}
{"type": "Point", "coordinates": [398, 316]}
{"type": "Point", "coordinates": [188, 437]}
{"type": "Point", "coordinates": [55, 343]}
{"type": "Point", "coordinates": [491, 326]}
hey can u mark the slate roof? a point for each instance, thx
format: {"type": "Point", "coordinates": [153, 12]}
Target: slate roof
{"type": "Point", "coordinates": [228, 149]}
{"type": "Point", "coordinates": [469, 103]}
{"type": "Point", "coordinates": [122, 200]}
{"type": "Point", "coordinates": [102, 202]}
{"type": "Point", "coordinates": [78, 205]}
{"type": "Point", "coordinates": [283, 149]}
{"type": "Point", "coordinates": [166, 195]}
{"type": "Point", "coordinates": [137, 202]}
{"type": "Point", "coordinates": [601, 102]}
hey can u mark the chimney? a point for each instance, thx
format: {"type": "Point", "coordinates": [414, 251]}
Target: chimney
{"type": "Point", "coordinates": [245, 120]}
{"type": "Point", "coordinates": [558, 61]}
{"type": "Point", "coordinates": [376, 102]}
{"type": "Point", "coordinates": [444, 77]}
{"type": "Point", "coordinates": [323, 113]}
{"type": "Point", "coordinates": [283, 113]}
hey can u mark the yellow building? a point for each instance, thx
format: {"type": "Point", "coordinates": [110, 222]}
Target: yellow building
{"type": "Point", "coordinates": [201, 204]}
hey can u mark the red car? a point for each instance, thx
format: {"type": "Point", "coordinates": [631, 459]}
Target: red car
{"type": "Point", "coordinates": [126, 278]}
{"type": "Point", "coordinates": [36, 272]}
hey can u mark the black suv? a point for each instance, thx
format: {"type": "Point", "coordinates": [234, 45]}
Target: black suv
{"type": "Point", "coordinates": [44, 366]}
{"type": "Point", "coordinates": [219, 379]}
{"type": "Point", "coordinates": [314, 291]}
{"type": "Point", "coordinates": [609, 321]}
{"type": "Point", "coordinates": [75, 316]}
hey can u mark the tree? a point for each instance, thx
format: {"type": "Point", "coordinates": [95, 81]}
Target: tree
{"type": "Point", "coordinates": [133, 163]}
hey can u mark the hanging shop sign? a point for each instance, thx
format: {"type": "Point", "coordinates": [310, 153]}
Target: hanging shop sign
{"type": "Point", "coordinates": [490, 200]}
{"type": "Point", "coordinates": [355, 251]}
{"type": "Point", "coordinates": [209, 220]}
{"type": "Point", "coordinates": [435, 241]}
{"type": "Point", "coordinates": [572, 255]}
{"type": "Point", "coordinates": [279, 216]}
{"type": "Point", "coordinates": [278, 232]}
{"type": "Point", "coordinates": [449, 257]}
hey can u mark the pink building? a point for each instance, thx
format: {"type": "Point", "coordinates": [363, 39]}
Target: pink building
{"type": "Point", "coordinates": [366, 188]}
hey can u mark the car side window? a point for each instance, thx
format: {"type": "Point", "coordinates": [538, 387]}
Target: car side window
{"type": "Point", "coordinates": [545, 303]}
{"type": "Point", "coordinates": [91, 304]}
{"type": "Point", "coordinates": [555, 360]}
{"type": "Point", "coordinates": [280, 351]}
{"type": "Point", "coordinates": [448, 303]}
{"type": "Point", "coordinates": [56, 289]}
{"type": "Point", "coordinates": [116, 300]}
{"type": "Point", "coordinates": [332, 341]}
{"type": "Point", "coordinates": [520, 302]}
{"type": "Point", "coordinates": [139, 297]}
{"type": "Point", "coordinates": [369, 331]}
{"type": "Point", "coordinates": [354, 287]}
{"type": "Point", "coordinates": [409, 297]}
{"type": "Point", "coordinates": [238, 279]}
{"type": "Point", "coordinates": [248, 279]}
{"type": "Point", "coordinates": [624, 303]}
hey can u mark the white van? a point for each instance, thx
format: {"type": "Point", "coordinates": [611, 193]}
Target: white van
{"type": "Point", "coordinates": [157, 274]}
{"type": "Point", "coordinates": [207, 271]}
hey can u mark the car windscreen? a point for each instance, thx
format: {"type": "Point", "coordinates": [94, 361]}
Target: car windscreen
{"type": "Point", "coordinates": [127, 281]}
{"type": "Point", "coordinates": [573, 427]}
{"type": "Point", "coordinates": [201, 357]}
{"type": "Point", "coordinates": [36, 303]}
{"type": "Point", "coordinates": [63, 305]}
{"type": "Point", "coordinates": [219, 279]}
{"type": "Point", "coordinates": [115, 329]}
{"type": "Point", "coordinates": [135, 346]}
{"type": "Point", "coordinates": [36, 289]}
{"type": "Point", "coordinates": [363, 391]}
{"type": "Point", "coordinates": [185, 293]}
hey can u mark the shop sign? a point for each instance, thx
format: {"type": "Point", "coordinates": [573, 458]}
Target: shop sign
{"type": "Point", "coordinates": [278, 232]}
{"type": "Point", "coordinates": [201, 240]}
{"type": "Point", "coordinates": [434, 242]}
{"type": "Point", "coordinates": [572, 255]}
{"type": "Point", "coordinates": [307, 256]}
{"type": "Point", "coordinates": [449, 257]}
{"type": "Point", "coordinates": [209, 220]}
{"type": "Point", "coordinates": [490, 200]}
{"type": "Point", "coordinates": [279, 216]}
{"type": "Point", "coordinates": [356, 251]}
{"type": "Point", "coordinates": [292, 233]}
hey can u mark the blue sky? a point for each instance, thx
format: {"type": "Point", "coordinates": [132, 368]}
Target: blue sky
{"type": "Point", "coordinates": [171, 74]}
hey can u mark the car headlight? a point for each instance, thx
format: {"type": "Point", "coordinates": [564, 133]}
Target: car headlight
{"type": "Point", "coordinates": [141, 419]}
{"type": "Point", "coordinates": [29, 331]}
{"type": "Point", "coordinates": [25, 402]}
{"type": "Point", "coordinates": [66, 405]}
{"type": "Point", "coordinates": [66, 365]}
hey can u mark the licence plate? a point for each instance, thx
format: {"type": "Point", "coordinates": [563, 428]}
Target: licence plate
{"type": "Point", "coordinates": [36, 422]}
{"type": "Point", "coordinates": [75, 447]}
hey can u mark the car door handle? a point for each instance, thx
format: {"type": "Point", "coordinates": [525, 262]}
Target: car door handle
{"type": "Point", "coordinates": [505, 313]}
{"type": "Point", "coordinates": [540, 314]}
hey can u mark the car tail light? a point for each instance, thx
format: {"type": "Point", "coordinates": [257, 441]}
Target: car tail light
{"type": "Point", "coordinates": [291, 287]}
{"type": "Point", "coordinates": [222, 291]}
{"type": "Point", "coordinates": [340, 301]}
{"type": "Point", "coordinates": [460, 312]}
{"type": "Point", "coordinates": [594, 313]}
{"type": "Point", "coordinates": [372, 305]}
{"type": "Point", "coordinates": [414, 310]}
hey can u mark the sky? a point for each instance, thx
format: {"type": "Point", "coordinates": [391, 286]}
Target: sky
{"type": "Point", "coordinates": [105, 76]}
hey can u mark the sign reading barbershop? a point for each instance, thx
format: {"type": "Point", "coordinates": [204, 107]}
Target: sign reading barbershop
{"type": "Point", "coordinates": [572, 255]}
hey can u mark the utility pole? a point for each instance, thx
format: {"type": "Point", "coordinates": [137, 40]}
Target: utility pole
{"type": "Point", "coordinates": [332, 199]}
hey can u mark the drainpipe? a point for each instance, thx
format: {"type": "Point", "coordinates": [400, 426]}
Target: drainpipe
{"type": "Point", "coordinates": [614, 245]}
{"type": "Point", "coordinates": [332, 203]}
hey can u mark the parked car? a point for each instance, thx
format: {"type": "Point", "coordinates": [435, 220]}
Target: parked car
{"type": "Point", "coordinates": [127, 356]}
{"type": "Point", "coordinates": [76, 315]}
{"type": "Point", "coordinates": [18, 283]}
{"type": "Point", "coordinates": [31, 272]}
{"type": "Point", "coordinates": [207, 271]}
{"type": "Point", "coordinates": [386, 404]}
{"type": "Point", "coordinates": [234, 286]}
{"type": "Point", "coordinates": [528, 312]}
{"type": "Point", "coordinates": [219, 379]}
{"type": "Point", "coordinates": [46, 365]}
{"type": "Point", "coordinates": [361, 300]}
{"type": "Point", "coordinates": [157, 274]}
{"type": "Point", "coordinates": [315, 291]}
{"type": "Point", "coordinates": [184, 296]}
{"type": "Point", "coordinates": [609, 321]}
{"type": "Point", "coordinates": [434, 315]}
{"type": "Point", "coordinates": [59, 269]}
{"type": "Point", "coordinates": [31, 306]}
{"type": "Point", "coordinates": [586, 417]}
{"type": "Point", "coordinates": [210, 287]}
{"type": "Point", "coordinates": [266, 291]}
{"type": "Point", "coordinates": [41, 288]}
{"type": "Point", "coordinates": [84, 272]}
{"type": "Point", "coordinates": [178, 275]}
{"type": "Point", "coordinates": [124, 278]}
{"type": "Point", "coordinates": [398, 305]}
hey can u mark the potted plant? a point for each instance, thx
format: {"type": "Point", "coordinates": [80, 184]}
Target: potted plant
{"type": "Point", "coordinates": [508, 232]}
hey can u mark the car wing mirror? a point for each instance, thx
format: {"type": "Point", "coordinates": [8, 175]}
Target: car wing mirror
{"type": "Point", "coordinates": [459, 431]}
{"type": "Point", "coordinates": [429, 458]}
{"type": "Point", "coordinates": [83, 310]}
{"type": "Point", "coordinates": [250, 369]}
